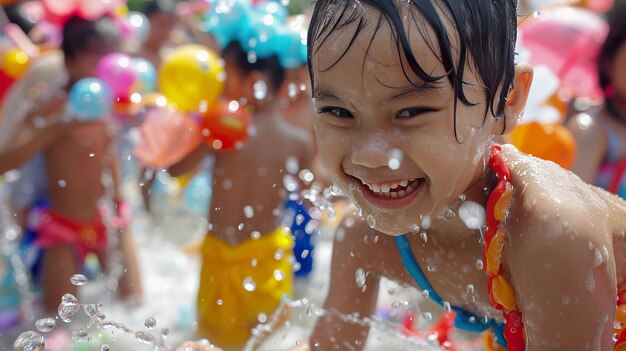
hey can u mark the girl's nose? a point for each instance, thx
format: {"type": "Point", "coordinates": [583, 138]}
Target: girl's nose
{"type": "Point", "coordinates": [371, 152]}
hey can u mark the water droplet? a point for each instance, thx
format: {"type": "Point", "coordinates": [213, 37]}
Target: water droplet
{"type": "Point", "coordinates": [479, 264]}
{"type": "Point", "coordinates": [78, 279]}
{"type": "Point", "coordinates": [426, 293]}
{"type": "Point", "coordinates": [255, 235]}
{"type": "Point", "coordinates": [371, 221]}
{"type": "Point", "coordinates": [307, 176]}
{"type": "Point", "coordinates": [462, 197]}
{"type": "Point", "coordinates": [618, 325]}
{"type": "Point", "coordinates": [427, 316]}
{"type": "Point", "coordinates": [395, 157]}
{"type": "Point", "coordinates": [292, 90]}
{"type": "Point", "coordinates": [279, 275]}
{"type": "Point", "coordinates": [424, 237]}
{"type": "Point", "coordinates": [29, 341]}
{"type": "Point", "coordinates": [80, 334]}
{"type": "Point", "coordinates": [299, 219]}
{"type": "Point", "coordinates": [426, 221]}
{"type": "Point", "coordinates": [335, 190]}
{"type": "Point", "coordinates": [68, 307]}
{"type": "Point", "coordinates": [219, 302]}
{"type": "Point", "coordinates": [262, 317]}
{"type": "Point", "coordinates": [91, 154]}
{"type": "Point", "coordinates": [472, 214]}
{"type": "Point", "coordinates": [361, 277]}
{"type": "Point", "coordinates": [240, 226]}
{"type": "Point", "coordinates": [449, 214]}
{"type": "Point", "coordinates": [150, 323]}
{"type": "Point", "coordinates": [565, 300]}
{"type": "Point", "coordinates": [290, 183]}
{"type": "Point", "coordinates": [248, 211]}
{"type": "Point", "coordinates": [260, 90]}
{"type": "Point", "coordinates": [447, 307]}
{"type": "Point", "coordinates": [145, 337]}
{"type": "Point", "coordinates": [249, 284]}
{"type": "Point", "coordinates": [105, 347]}
{"type": "Point", "coordinates": [62, 183]}
{"type": "Point", "coordinates": [470, 289]}
{"type": "Point", "coordinates": [391, 291]}
{"type": "Point", "coordinates": [45, 324]}
{"type": "Point", "coordinates": [165, 332]}
{"type": "Point", "coordinates": [415, 229]}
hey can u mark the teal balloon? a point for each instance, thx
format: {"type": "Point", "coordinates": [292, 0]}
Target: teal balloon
{"type": "Point", "coordinates": [146, 75]}
{"type": "Point", "coordinates": [258, 37]}
{"type": "Point", "coordinates": [90, 99]}
{"type": "Point", "coordinates": [225, 19]}
{"type": "Point", "coordinates": [274, 9]}
{"type": "Point", "coordinates": [197, 193]}
{"type": "Point", "coordinates": [290, 46]}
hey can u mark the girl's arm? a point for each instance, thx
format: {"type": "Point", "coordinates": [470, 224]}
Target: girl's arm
{"type": "Point", "coordinates": [564, 279]}
{"type": "Point", "coordinates": [346, 296]}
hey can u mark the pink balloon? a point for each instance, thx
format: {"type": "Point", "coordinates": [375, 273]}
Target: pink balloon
{"type": "Point", "coordinates": [116, 71]}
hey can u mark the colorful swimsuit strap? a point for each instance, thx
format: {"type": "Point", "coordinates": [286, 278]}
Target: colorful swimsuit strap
{"type": "Point", "coordinates": [464, 320]}
{"type": "Point", "coordinates": [502, 295]}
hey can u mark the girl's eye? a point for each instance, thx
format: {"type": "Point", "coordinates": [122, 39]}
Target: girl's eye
{"type": "Point", "coordinates": [414, 112]}
{"type": "Point", "coordinates": [337, 112]}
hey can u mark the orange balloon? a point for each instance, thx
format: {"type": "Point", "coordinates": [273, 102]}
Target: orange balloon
{"type": "Point", "coordinates": [551, 142]}
{"type": "Point", "coordinates": [167, 136]}
{"type": "Point", "coordinates": [225, 125]}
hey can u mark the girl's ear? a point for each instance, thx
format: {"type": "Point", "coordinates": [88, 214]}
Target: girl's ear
{"type": "Point", "coordinates": [516, 99]}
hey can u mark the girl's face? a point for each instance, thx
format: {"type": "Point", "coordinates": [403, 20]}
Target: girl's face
{"type": "Point", "coordinates": [392, 147]}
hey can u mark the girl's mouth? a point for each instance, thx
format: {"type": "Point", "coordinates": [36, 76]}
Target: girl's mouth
{"type": "Point", "coordinates": [391, 194]}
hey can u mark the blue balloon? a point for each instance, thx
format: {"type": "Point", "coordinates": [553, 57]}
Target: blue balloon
{"type": "Point", "coordinates": [225, 19]}
{"type": "Point", "coordinates": [290, 46]}
{"type": "Point", "coordinates": [197, 193]}
{"type": "Point", "coordinates": [274, 9]}
{"type": "Point", "coordinates": [258, 37]}
{"type": "Point", "coordinates": [90, 99]}
{"type": "Point", "coordinates": [146, 75]}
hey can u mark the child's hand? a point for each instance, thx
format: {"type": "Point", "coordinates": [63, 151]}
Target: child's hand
{"type": "Point", "coordinates": [202, 345]}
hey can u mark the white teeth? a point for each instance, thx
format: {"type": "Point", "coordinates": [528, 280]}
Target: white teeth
{"type": "Point", "coordinates": [390, 189]}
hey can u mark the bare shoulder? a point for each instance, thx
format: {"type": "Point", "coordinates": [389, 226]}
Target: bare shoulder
{"type": "Point", "coordinates": [546, 193]}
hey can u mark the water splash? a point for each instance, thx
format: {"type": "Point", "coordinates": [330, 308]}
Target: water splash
{"type": "Point", "coordinates": [68, 307]}
{"type": "Point", "coordinates": [29, 341]}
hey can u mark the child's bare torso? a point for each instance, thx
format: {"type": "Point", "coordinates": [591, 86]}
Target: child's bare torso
{"type": "Point", "coordinates": [75, 165]}
{"type": "Point", "coordinates": [248, 190]}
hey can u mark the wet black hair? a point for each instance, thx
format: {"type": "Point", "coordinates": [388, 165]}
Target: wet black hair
{"type": "Point", "coordinates": [486, 32]}
{"type": "Point", "coordinates": [151, 7]}
{"type": "Point", "coordinates": [80, 35]}
{"type": "Point", "coordinates": [270, 66]}
{"type": "Point", "coordinates": [614, 40]}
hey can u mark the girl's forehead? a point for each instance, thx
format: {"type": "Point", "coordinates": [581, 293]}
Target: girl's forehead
{"type": "Point", "coordinates": [369, 41]}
